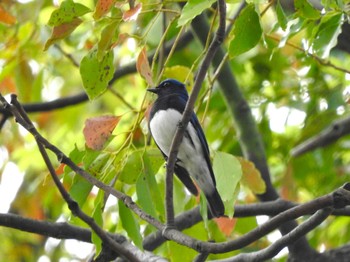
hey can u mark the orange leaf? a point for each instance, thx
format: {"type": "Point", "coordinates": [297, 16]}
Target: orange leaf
{"type": "Point", "coordinates": [6, 17]}
{"type": "Point", "coordinates": [62, 31]}
{"type": "Point", "coordinates": [143, 67]}
{"type": "Point", "coordinates": [60, 169]}
{"type": "Point", "coordinates": [251, 176]}
{"type": "Point", "coordinates": [103, 7]}
{"type": "Point", "coordinates": [132, 14]}
{"type": "Point", "coordinates": [97, 130]}
{"type": "Point", "coordinates": [226, 224]}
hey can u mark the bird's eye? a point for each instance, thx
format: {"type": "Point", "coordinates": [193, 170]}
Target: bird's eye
{"type": "Point", "coordinates": [166, 84]}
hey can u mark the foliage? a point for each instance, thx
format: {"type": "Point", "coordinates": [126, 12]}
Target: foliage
{"type": "Point", "coordinates": [286, 66]}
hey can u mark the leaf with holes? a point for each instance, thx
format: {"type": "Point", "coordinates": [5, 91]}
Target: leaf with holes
{"type": "Point", "coordinates": [97, 130]}
{"type": "Point", "coordinates": [96, 72]}
{"type": "Point", "coordinates": [67, 12]}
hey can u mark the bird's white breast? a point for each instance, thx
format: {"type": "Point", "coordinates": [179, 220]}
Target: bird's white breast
{"type": "Point", "coordinates": [163, 126]}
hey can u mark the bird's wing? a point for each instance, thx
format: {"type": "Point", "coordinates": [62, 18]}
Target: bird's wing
{"type": "Point", "coordinates": [181, 103]}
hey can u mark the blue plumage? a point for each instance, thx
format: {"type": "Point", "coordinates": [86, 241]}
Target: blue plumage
{"type": "Point", "coordinates": [193, 161]}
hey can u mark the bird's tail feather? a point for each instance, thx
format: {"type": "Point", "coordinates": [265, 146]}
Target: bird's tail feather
{"type": "Point", "coordinates": [216, 206]}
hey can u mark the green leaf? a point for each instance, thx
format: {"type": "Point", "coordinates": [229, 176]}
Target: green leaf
{"type": "Point", "coordinates": [228, 173]}
{"type": "Point", "coordinates": [80, 190]}
{"type": "Point", "coordinates": [306, 10]}
{"type": "Point", "coordinates": [97, 216]}
{"type": "Point", "coordinates": [132, 168]}
{"type": "Point", "coordinates": [67, 11]}
{"type": "Point", "coordinates": [246, 33]}
{"type": "Point", "coordinates": [192, 9]}
{"type": "Point", "coordinates": [144, 195]}
{"type": "Point", "coordinates": [130, 224]}
{"type": "Point", "coordinates": [281, 16]}
{"type": "Point", "coordinates": [96, 73]}
{"type": "Point", "coordinates": [327, 34]}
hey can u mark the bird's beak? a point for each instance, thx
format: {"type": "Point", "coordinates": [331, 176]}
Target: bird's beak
{"type": "Point", "coordinates": [153, 90]}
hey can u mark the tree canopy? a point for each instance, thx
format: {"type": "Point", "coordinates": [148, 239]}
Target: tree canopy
{"type": "Point", "coordinates": [269, 82]}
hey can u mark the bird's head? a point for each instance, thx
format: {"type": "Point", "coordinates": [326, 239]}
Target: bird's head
{"type": "Point", "coordinates": [168, 87]}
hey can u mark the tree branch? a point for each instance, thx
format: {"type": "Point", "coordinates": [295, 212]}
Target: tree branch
{"type": "Point", "coordinates": [219, 37]}
{"type": "Point", "coordinates": [287, 239]}
{"type": "Point", "coordinates": [22, 118]}
{"type": "Point", "coordinates": [337, 199]}
{"type": "Point", "coordinates": [337, 129]}
{"type": "Point", "coordinates": [249, 138]}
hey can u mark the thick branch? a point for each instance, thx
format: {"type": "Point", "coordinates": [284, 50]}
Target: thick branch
{"type": "Point", "coordinates": [337, 129]}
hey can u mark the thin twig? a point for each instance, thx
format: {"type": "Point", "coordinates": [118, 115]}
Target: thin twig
{"type": "Point", "coordinates": [218, 39]}
{"type": "Point", "coordinates": [315, 57]}
{"type": "Point", "coordinates": [23, 119]}
{"type": "Point", "coordinates": [272, 250]}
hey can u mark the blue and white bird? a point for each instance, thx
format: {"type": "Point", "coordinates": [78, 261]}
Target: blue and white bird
{"type": "Point", "coordinates": [193, 161]}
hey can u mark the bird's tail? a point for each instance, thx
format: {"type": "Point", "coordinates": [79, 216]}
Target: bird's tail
{"type": "Point", "coordinates": [216, 206]}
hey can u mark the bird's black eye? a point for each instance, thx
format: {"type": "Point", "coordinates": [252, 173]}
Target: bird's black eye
{"type": "Point", "coordinates": [166, 84]}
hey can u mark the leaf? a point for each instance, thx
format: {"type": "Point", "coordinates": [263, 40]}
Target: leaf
{"type": "Point", "coordinates": [251, 177]}
{"type": "Point", "coordinates": [67, 12]}
{"type": "Point", "coordinates": [97, 216]}
{"type": "Point", "coordinates": [96, 73]}
{"type": "Point", "coordinates": [132, 168]}
{"type": "Point", "coordinates": [132, 14]}
{"type": "Point", "coordinates": [246, 32]}
{"type": "Point", "coordinates": [144, 196]}
{"type": "Point", "coordinates": [61, 31]}
{"type": "Point", "coordinates": [143, 67]}
{"type": "Point", "coordinates": [192, 9]}
{"type": "Point", "coordinates": [80, 190]}
{"type": "Point", "coordinates": [327, 34]}
{"type": "Point", "coordinates": [228, 173]}
{"type": "Point", "coordinates": [130, 224]}
{"type": "Point", "coordinates": [102, 8]}
{"type": "Point", "coordinates": [226, 224]}
{"type": "Point", "coordinates": [281, 16]}
{"type": "Point", "coordinates": [6, 17]}
{"type": "Point", "coordinates": [306, 10]}
{"type": "Point", "coordinates": [107, 37]}
{"type": "Point", "coordinates": [97, 130]}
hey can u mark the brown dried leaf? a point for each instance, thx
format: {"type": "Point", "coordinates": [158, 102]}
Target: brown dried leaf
{"type": "Point", "coordinates": [226, 224]}
{"type": "Point", "coordinates": [102, 8]}
{"type": "Point", "coordinates": [143, 67]}
{"type": "Point", "coordinates": [97, 130]}
{"type": "Point", "coordinates": [6, 17]}
{"type": "Point", "coordinates": [251, 177]}
{"type": "Point", "coordinates": [132, 14]}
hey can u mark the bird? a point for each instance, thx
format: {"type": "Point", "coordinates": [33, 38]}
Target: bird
{"type": "Point", "coordinates": [193, 158]}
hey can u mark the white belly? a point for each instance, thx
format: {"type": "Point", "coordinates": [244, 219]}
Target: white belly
{"type": "Point", "coordinates": [163, 127]}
